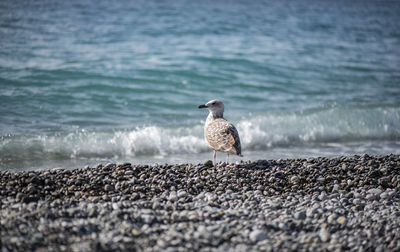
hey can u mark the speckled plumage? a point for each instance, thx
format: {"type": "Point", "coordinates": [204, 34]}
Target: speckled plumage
{"type": "Point", "coordinates": [220, 134]}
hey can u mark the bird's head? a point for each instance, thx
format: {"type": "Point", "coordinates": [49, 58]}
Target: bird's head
{"type": "Point", "coordinates": [214, 106]}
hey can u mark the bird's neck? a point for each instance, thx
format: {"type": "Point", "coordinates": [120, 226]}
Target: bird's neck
{"type": "Point", "coordinates": [214, 115]}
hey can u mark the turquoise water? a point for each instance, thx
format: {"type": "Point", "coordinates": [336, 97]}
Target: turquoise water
{"type": "Point", "coordinates": [83, 82]}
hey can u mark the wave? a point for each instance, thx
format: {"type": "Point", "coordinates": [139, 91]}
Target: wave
{"type": "Point", "coordinates": [148, 140]}
{"type": "Point", "coordinates": [333, 124]}
{"type": "Point", "coordinates": [330, 123]}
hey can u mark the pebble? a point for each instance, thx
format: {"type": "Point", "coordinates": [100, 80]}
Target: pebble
{"type": "Point", "coordinates": [322, 196]}
{"type": "Point", "coordinates": [341, 220]}
{"type": "Point", "coordinates": [314, 204]}
{"type": "Point", "coordinates": [332, 218]}
{"type": "Point", "coordinates": [257, 235]}
{"type": "Point", "coordinates": [208, 163]}
{"type": "Point", "coordinates": [147, 218]}
{"type": "Point", "coordinates": [374, 191]}
{"type": "Point", "coordinates": [324, 235]}
{"type": "Point", "coordinates": [301, 215]}
{"type": "Point", "coordinates": [108, 188]}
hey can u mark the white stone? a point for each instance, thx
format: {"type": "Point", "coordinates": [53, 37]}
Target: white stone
{"type": "Point", "coordinates": [257, 235]}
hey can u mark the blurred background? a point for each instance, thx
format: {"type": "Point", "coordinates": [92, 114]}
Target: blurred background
{"type": "Point", "coordinates": [83, 82]}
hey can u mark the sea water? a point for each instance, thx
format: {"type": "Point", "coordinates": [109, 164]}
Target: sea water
{"type": "Point", "coordinates": [83, 82]}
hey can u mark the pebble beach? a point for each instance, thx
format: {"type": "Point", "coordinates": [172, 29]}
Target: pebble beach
{"type": "Point", "coordinates": [349, 203]}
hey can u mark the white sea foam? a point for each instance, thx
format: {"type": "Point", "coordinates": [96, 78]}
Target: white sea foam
{"type": "Point", "coordinates": [318, 131]}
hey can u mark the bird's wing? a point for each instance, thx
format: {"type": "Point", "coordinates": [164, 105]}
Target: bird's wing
{"type": "Point", "coordinates": [223, 136]}
{"type": "Point", "coordinates": [236, 140]}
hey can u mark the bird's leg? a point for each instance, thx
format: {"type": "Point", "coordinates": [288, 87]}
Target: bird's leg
{"type": "Point", "coordinates": [215, 159]}
{"type": "Point", "coordinates": [227, 158]}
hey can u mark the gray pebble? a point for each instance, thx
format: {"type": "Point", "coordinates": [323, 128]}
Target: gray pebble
{"type": "Point", "coordinates": [257, 235]}
{"type": "Point", "coordinates": [301, 215]}
{"type": "Point", "coordinates": [309, 204]}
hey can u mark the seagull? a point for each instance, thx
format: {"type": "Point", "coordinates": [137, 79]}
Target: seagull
{"type": "Point", "coordinates": [220, 134]}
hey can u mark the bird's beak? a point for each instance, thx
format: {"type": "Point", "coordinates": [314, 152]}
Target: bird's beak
{"type": "Point", "coordinates": [202, 106]}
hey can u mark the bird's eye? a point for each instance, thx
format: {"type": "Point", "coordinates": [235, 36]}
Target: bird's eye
{"type": "Point", "coordinates": [213, 103]}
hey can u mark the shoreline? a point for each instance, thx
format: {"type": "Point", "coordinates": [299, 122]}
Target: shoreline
{"type": "Point", "coordinates": [318, 204]}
